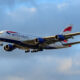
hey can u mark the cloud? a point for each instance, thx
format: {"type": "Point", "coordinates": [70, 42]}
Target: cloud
{"type": "Point", "coordinates": [62, 5]}
{"type": "Point", "coordinates": [17, 14]}
{"type": "Point", "coordinates": [11, 4]}
{"type": "Point", "coordinates": [36, 66]}
{"type": "Point", "coordinates": [13, 78]}
{"type": "Point", "coordinates": [65, 65]}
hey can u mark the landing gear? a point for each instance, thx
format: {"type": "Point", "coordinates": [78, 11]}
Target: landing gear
{"type": "Point", "coordinates": [36, 50]}
{"type": "Point", "coordinates": [33, 50]}
{"type": "Point", "coordinates": [27, 51]}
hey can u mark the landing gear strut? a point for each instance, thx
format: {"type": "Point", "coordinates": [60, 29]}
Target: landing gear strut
{"type": "Point", "coordinates": [27, 51]}
{"type": "Point", "coordinates": [36, 50]}
{"type": "Point", "coordinates": [33, 50]}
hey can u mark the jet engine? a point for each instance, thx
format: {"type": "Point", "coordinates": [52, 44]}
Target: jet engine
{"type": "Point", "coordinates": [60, 37]}
{"type": "Point", "coordinates": [39, 40]}
{"type": "Point", "coordinates": [9, 47]}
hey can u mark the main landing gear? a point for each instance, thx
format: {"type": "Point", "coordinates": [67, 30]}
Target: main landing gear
{"type": "Point", "coordinates": [28, 50]}
{"type": "Point", "coordinates": [33, 50]}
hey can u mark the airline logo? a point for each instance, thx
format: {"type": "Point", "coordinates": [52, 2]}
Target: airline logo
{"type": "Point", "coordinates": [11, 32]}
{"type": "Point", "coordinates": [15, 34]}
{"type": "Point", "coordinates": [69, 28]}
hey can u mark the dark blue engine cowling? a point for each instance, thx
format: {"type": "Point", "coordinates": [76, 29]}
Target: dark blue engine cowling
{"type": "Point", "coordinates": [40, 40]}
{"type": "Point", "coordinates": [60, 37]}
{"type": "Point", "coordinates": [9, 47]}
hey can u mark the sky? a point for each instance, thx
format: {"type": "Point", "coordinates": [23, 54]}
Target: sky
{"type": "Point", "coordinates": [40, 18]}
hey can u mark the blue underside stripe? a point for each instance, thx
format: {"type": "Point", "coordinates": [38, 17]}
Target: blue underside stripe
{"type": "Point", "coordinates": [18, 43]}
{"type": "Point", "coordinates": [24, 45]}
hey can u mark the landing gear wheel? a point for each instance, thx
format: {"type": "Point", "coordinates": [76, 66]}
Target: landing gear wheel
{"type": "Point", "coordinates": [34, 51]}
{"type": "Point", "coordinates": [27, 51]}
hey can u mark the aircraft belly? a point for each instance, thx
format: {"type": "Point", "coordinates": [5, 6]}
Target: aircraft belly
{"type": "Point", "coordinates": [57, 45]}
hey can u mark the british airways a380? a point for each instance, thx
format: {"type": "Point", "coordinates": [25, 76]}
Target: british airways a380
{"type": "Point", "coordinates": [15, 40]}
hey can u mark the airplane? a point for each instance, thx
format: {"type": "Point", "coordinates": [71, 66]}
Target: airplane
{"type": "Point", "coordinates": [17, 40]}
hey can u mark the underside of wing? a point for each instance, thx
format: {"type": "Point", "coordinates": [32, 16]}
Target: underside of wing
{"type": "Point", "coordinates": [49, 40]}
{"type": "Point", "coordinates": [70, 44]}
{"type": "Point", "coordinates": [53, 39]}
{"type": "Point", "coordinates": [59, 38]}
{"type": "Point", "coordinates": [45, 40]}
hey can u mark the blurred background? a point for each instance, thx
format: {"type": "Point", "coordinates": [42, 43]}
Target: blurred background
{"type": "Point", "coordinates": [40, 18]}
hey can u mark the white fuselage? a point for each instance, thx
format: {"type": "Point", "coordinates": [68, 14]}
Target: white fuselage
{"type": "Point", "coordinates": [58, 45]}
{"type": "Point", "coordinates": [13, 36]}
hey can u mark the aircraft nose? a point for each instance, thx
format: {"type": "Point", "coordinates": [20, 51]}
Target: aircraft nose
{"type": "Point", "coordinates": [1, 32]}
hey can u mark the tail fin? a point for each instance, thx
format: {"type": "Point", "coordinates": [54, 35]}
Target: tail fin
{"type": "Point", "coordinates": [68, 28]}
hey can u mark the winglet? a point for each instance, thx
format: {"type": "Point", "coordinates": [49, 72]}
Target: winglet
{"type": "Point", "coordinates": [69, 28]}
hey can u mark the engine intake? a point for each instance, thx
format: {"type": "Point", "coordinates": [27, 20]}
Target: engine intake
{"type": "Point", "coordinates": [9, 47]}
{"type": "Point", "coordinates": [60, 37]}
{"type": "Point", "coordinates": [39, 40]}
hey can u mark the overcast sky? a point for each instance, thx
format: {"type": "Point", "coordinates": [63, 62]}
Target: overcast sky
{"type": "Point", "coordinates": [40, 18]}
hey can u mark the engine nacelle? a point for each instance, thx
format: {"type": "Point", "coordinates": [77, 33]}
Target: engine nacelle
{"type": "Point", "coordinates": [60, 37]}
{"type": "Point", "coordinates": [39, 40]}
{"type": "Point", "coordinates": [9, 47]}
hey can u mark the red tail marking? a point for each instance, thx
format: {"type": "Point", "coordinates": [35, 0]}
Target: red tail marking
{"type": "Point", "coordinates": [11, 32]}
{"type": "Point", "coordinates": [68, 29]}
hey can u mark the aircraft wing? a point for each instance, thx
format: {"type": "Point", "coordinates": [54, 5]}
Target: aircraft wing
{"type": "Point", "coordinates": [51, 39]}
{"type": "Point", "coordinates": [73, 34]}
{"type": "Point", "coordinates": [59, 38]}
{"type": "Point", "coordinates": [70, 44]}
